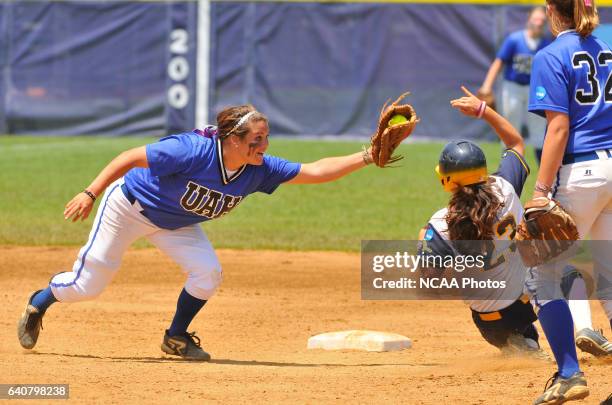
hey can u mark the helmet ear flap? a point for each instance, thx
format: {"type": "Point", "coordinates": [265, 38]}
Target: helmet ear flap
{"type": "Point", "coordinates": [440, 175]}
{"type": "Point", "coordinates": [445, 180]}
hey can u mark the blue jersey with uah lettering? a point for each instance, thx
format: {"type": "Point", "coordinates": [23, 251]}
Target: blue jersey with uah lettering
{"type": "Point", "coordinates": [574, 76]}
{"type": "Point", "coordinates": [517, 56]}
{"type": "Point", "coordinates": [186, 181]}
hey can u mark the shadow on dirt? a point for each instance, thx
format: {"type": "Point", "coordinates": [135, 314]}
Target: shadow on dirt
{"type": "Point", "coordinates": [230, 362]}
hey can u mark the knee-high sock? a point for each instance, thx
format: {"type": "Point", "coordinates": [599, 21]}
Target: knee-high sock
{"type": "Point", "coordinates": [556, 321]}
{"type": "Point", "coordinates": [43, 299]}
{"type": "Point", "coordinates": [187, 307]}
{"type": "Point", "coordinates": [579, 305]}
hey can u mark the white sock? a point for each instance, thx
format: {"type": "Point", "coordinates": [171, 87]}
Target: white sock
{"type": "Point", "coordinates": [579, 305]}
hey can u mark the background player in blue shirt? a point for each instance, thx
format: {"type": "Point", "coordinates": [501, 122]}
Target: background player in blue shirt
{"type": "Point", "coordinates": [162, 191]}
{"type": "Point", "coordinates": [571, 85]}
{"type": "Point", "coordinates": [515, 57]}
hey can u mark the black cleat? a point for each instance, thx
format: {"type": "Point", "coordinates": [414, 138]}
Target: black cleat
{"type": "Point", "coordinates": [186, 346]}
{"type": "Point", "coordinates": [30, 324]}
{"type": "Point", "coordinates": [559, 390]}
{"type": "Point", "coordinates": [593, 342]}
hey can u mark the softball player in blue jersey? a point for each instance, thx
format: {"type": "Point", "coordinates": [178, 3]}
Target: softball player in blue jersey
{"type": "Point", "coordinates": [515, 57]}
{"type": "Point", "coordinates": [571, 85]}
{"type": "Point", "coordinates": [162, 191]}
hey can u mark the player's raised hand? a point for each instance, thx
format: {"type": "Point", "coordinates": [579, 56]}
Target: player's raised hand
{"type": "Point", "coordinates": [469, 105]}
{"type": "Point", "coordinates": [79, 207]}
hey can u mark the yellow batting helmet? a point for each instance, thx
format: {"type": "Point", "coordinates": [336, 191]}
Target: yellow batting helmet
{"type": "Point", "coordinates": [461, 163]}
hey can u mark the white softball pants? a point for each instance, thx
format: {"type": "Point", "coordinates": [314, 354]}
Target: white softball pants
{"type": "Point", "coordinates": [515, 99]}
{"type": "Point", "coordinates": [117, 224]}
{"type": "Point", "coordinates": [585, 191]}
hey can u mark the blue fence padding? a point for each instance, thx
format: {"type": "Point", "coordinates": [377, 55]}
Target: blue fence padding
{"type": "Point", "coordinates": [181, 83]}
{"type": "Point", "coordinates": [3, 64]}
{"type": "Point", "coordinates": [327, 68]}
{"type": "Point", "coordinates": [90, 68]}
{"type": "Point", "coordinates": [121, 67]}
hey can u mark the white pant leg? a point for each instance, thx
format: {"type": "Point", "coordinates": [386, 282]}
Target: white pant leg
{"type": "Point", "coordinates": [515, 100]}
{"type": "Point", "coordinates": [117, 224]}
{"type": "Point", "coordinates": [543, 283]}
{"type": "Point", "coordinates": [579, 306]}
{"type": "Point", "coordinates": [190, 248]}
{"type": "Point", "coordinates": [583, 189]}
{"type": "Point", "coordinates": [512, 105]}
{"type": "Point", "coordinates": [601, 235]}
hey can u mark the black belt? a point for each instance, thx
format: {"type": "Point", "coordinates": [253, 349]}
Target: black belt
{"type": "Point", "coordinates": [127, 194]}
{"type": "Point", "coordinates": [584, 156]}
{"type": "Point", "coordinates": [497, 315]}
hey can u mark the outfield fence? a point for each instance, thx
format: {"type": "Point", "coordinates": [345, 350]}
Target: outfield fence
{"type": "Point", "coordinates": [315, 68]}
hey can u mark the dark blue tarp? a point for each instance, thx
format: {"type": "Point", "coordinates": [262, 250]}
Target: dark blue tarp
{"type": "Point", "coordinates": [328, 68]}
{"type": "Point", "coordinates": [3, 64]}
{"type": "Point", "coordinates": [120, 67]}
{"type": "Point", "coordinates": [181, 68]}
{"type": "Point", "coordinates": [79, 68]}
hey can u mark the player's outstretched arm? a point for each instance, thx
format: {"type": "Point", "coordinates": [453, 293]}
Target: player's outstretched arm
{"type": "Point", "coordinates": [470, 105]}
{"type": "Point", "coordinates": [557, 134]}
{"type": "Point", "coordinates": [80, 206]}
{"type": "Point", "coordinates": [330, 169]}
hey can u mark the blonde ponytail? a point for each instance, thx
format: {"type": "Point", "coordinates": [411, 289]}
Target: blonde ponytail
{"type": "Point", "coordinates": [580, 15]}
{"type": "Point", "coordinates": [586, 18]}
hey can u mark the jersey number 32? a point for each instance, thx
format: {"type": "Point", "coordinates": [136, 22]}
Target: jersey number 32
{"type": "Point", "coordinates": [591, 96]}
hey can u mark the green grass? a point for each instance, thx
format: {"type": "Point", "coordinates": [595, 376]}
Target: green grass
{"type": "Point", "coordinates": [39, 175]}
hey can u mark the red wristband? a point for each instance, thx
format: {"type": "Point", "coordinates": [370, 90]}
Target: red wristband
{"type": "Point", "coordinates": [481, 109]}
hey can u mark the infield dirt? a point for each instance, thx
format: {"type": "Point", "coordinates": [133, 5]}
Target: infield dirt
{"type": "Point", "coordinates": [256, 329]}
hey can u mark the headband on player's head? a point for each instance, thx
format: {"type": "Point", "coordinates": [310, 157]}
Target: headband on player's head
{"type": "Point", "coordinates": [241, 121]}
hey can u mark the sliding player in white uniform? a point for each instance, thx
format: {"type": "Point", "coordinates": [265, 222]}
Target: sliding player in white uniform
{"type": "Point", "coordinates": [487, 207]}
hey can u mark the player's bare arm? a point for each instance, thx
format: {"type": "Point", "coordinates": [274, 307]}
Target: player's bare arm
{"type": "Point", "coordinates": [396, 122]}
{"type": "Point", "coordinates": [80, 206]}
{"type": "Point", "coordinates": [471, 106]}
{"type": "Point", "coordinates": [492, 73]}
{"type": "Point", "coordinates": [330, 169]}
{"type": "Point", "coordinates": [555, 142]}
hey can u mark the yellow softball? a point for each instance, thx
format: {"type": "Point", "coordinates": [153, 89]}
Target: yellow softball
{"type": "Point", "coordinates": [397, 119]}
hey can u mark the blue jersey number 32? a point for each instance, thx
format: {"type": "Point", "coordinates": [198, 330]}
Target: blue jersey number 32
{"type": "Point", "coordinates": [583, 96]}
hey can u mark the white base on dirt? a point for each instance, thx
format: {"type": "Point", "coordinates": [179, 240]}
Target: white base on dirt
{"type": "Point", "coordinates": [367, 340]}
